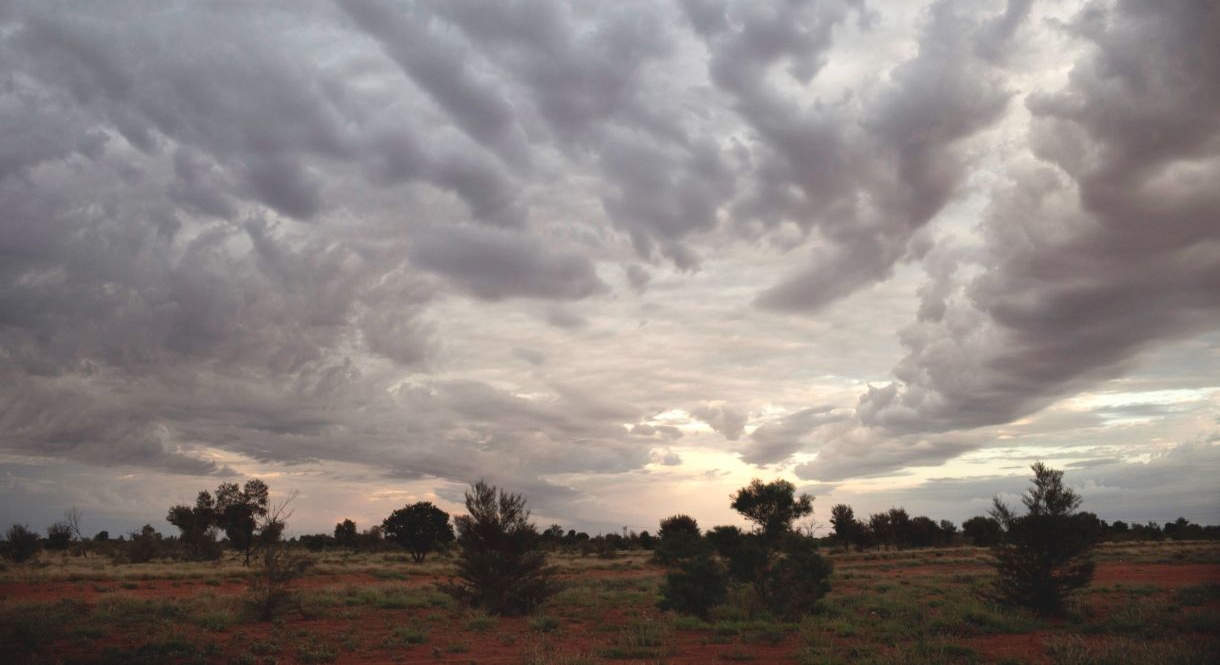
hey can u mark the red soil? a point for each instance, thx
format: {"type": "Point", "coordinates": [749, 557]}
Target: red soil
{"type": "Point", "coordinates": [450, 642]}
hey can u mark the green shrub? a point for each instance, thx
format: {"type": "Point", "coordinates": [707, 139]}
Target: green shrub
{"type": "Point", "coordinates": [501, 564]}
{"type": "Point", "coordinates": [1044, 555]}
{"type": "Point", "coordinates": [797, 581]}
{"type": "Point", "coordinates": [695, 587]}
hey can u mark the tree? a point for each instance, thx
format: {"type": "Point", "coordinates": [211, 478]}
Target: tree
{"type": "Point", "coordinates": [847, 529]}
{"type": "Point", "coordinates": [59, 536]}
{"type": "Point", "coordinates": [145, 545]}
{"type": "Point", "coordinates": [1045, 553]}
{"type": "Point", "coordinates": [238, 512]}
{"type": "Point", "coordinates": [783, 566]}
{"type": "Point", "coordinates": [982, 531]}
{"type": "Point", "coordinates": [923, 532]}
{"type": "Point", "coordinates": [772, 507]}
{"type": "Point", "coordinates": [420, 528]}
{"type": "Point", "coordinates": [501, 566]}
{"type": "Point", "coordinates": [679, 539]}
{"type": "Point", "coordinates": [346, 535]}
{"type": "Point", "coordinates": [948, 531]}
{"type": "Point", "coordinates": [197, 526]}
{"type": "Point", "coordinates": [900, 528]}
{"type": "Point", "coordinates": [880, 529]}
{"type": "Point", "coordinates": [21, 543]}
{"type": "Point", "coordinates": [780, 564]}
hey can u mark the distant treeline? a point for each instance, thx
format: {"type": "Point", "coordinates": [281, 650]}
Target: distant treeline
{"type": "Point", "coordinates": [892, 529]}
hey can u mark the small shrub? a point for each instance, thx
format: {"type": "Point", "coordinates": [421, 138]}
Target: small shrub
{"type": "Point", "coordinates": [797, 581]}
{"type": "Point", "coordinates": [695, 587]}
{"type": "Point", "coordinates": [544, 624]}
{"type": "Point", "coordinates": [271, 587]}
{"type": "Point", "coordinates": [21, 544]}
{"type": "Point", "coordinates": [501, 564]}
{"type": "Point", "coordinates": [1044, 555]}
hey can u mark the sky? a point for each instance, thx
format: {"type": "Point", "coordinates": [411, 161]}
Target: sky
{"type": "Point", "coordinates": [620, 257]}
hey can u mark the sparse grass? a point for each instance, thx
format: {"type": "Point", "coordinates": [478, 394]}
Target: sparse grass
{"type": "Point", "coordinates": [408, 635]}
{"type": "Point", "coordinates": [880, 611]}
{"type": "Point", "coordinates": [545, 653]}
{"type": "Point", "coordinates": [1073, 650]}
{"type": "Point", "coordinates": [645, 636]}
{"type": "Point", "coordinates": [543, 624]}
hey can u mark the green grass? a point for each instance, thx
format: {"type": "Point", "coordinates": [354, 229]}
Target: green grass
{"type": "Point", "coordinates": [644, 637]}
{"type": "Point", "coordinates": [408, 635]}
{"type": "Point", "coordinates": [543, 624]}
{"type": "Point", "coordinates": [1073, 650]}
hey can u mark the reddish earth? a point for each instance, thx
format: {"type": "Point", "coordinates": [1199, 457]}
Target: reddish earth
{"type": "Point", "coordinates": [1165, 575]}
{"type": "Point", "coordinates": [369, 636]}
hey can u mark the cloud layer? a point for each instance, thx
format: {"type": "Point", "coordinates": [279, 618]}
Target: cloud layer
{"type": "Point", "coordinates": [589, 250]}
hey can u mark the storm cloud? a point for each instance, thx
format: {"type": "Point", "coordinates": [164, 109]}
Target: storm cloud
{"type": "Point", "coordinates": [596, 252]}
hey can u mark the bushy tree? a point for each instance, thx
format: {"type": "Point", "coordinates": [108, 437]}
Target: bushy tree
{"type": "Point", "coordinates": [679, 539]}
{"type": "Point", "coordinates": [197, 526]}
{"type": "Point", "coordinates": [419, 528]}
{"type": "Point", "coordinates": [983, 531]}
{"type": "Point", "coordinates": [792, 575]}
{"type": "Point", "coordinates": [900, 530]}
{"type": "Point", "coordinates": [59, 536]}
{"type": "Point", "coordinates": [144, 546]}
{"type": "Point", "coordinates": [346, 535]}
{"type": "Point", "coordinates": [238, 511]}
{"type": "Point", "coordinates": [21, 543]}
{"type": "Point", "coordinates": [773, 507]}
{"type": "Point", "coordinates": [235, 510]}
{"type": "Point", "coordinates": [780, 564]}
{"type": "Point", "coordinates": [847, 529]}
{"type": "Point", "coordinates": [1045, 554]}
{"type": "Point", "coordinates": [745, 553]}
{"type": "Point", "coordinates": [501, 566]}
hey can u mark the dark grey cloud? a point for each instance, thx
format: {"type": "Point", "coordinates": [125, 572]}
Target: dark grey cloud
{"type": "Point", "coordinates": [494, 264]}
{"type": "Point", "coordinates": [777, 441]}
{"type": "Point", "coordinates": [849, 451]}
{"type": "Point", "coordinates": [372, 235]}
{"type": "Point", "coordinates": [868, 193]}
{"type": "Point", "coordinates": [531, 356]}
{"type": "Point", "coordinates": [729, 422]}
{"type": "Point", "coordinates": [1094, 255]}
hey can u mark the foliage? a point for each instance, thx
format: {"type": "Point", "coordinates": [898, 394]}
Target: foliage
{"type": "Point", "coordinates": [21, 543]}
{"type": "Point", "coordinates": [59, 536]}
{"type": "Point", "coordinates": [772, 506]}
{"type": "Point", "coordinates": [144, 546]}
{"type": "Point", "coordinates": [346, 535]}
{"type": "Point", "coordinates": [745, 553]}
{"type": "Point", "coordinates": [420, 528]}
{"type": "Point", "coordinates": [983, 531]}
{"type": "Point", "coordinates": [501, 565]}
{"type": "Point", "coordinates": [797, 581]}
{"type": "Point", "coordinates": [197, 526]}
{"type": "Point", "coordinates": [847, 529]}
{"type": "Point", "coordinates": [695, 587]}
{"type": "Point", "coordinates": [234, 510]}
{"type": "Point", "coordinates": [1045, 554]}
{"type": "Point", "coordinates": [279, 568]}
{"type": "Point", "coordinates": [238, 512]}
{"type": "Point", "coordinates": [679, 540]}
